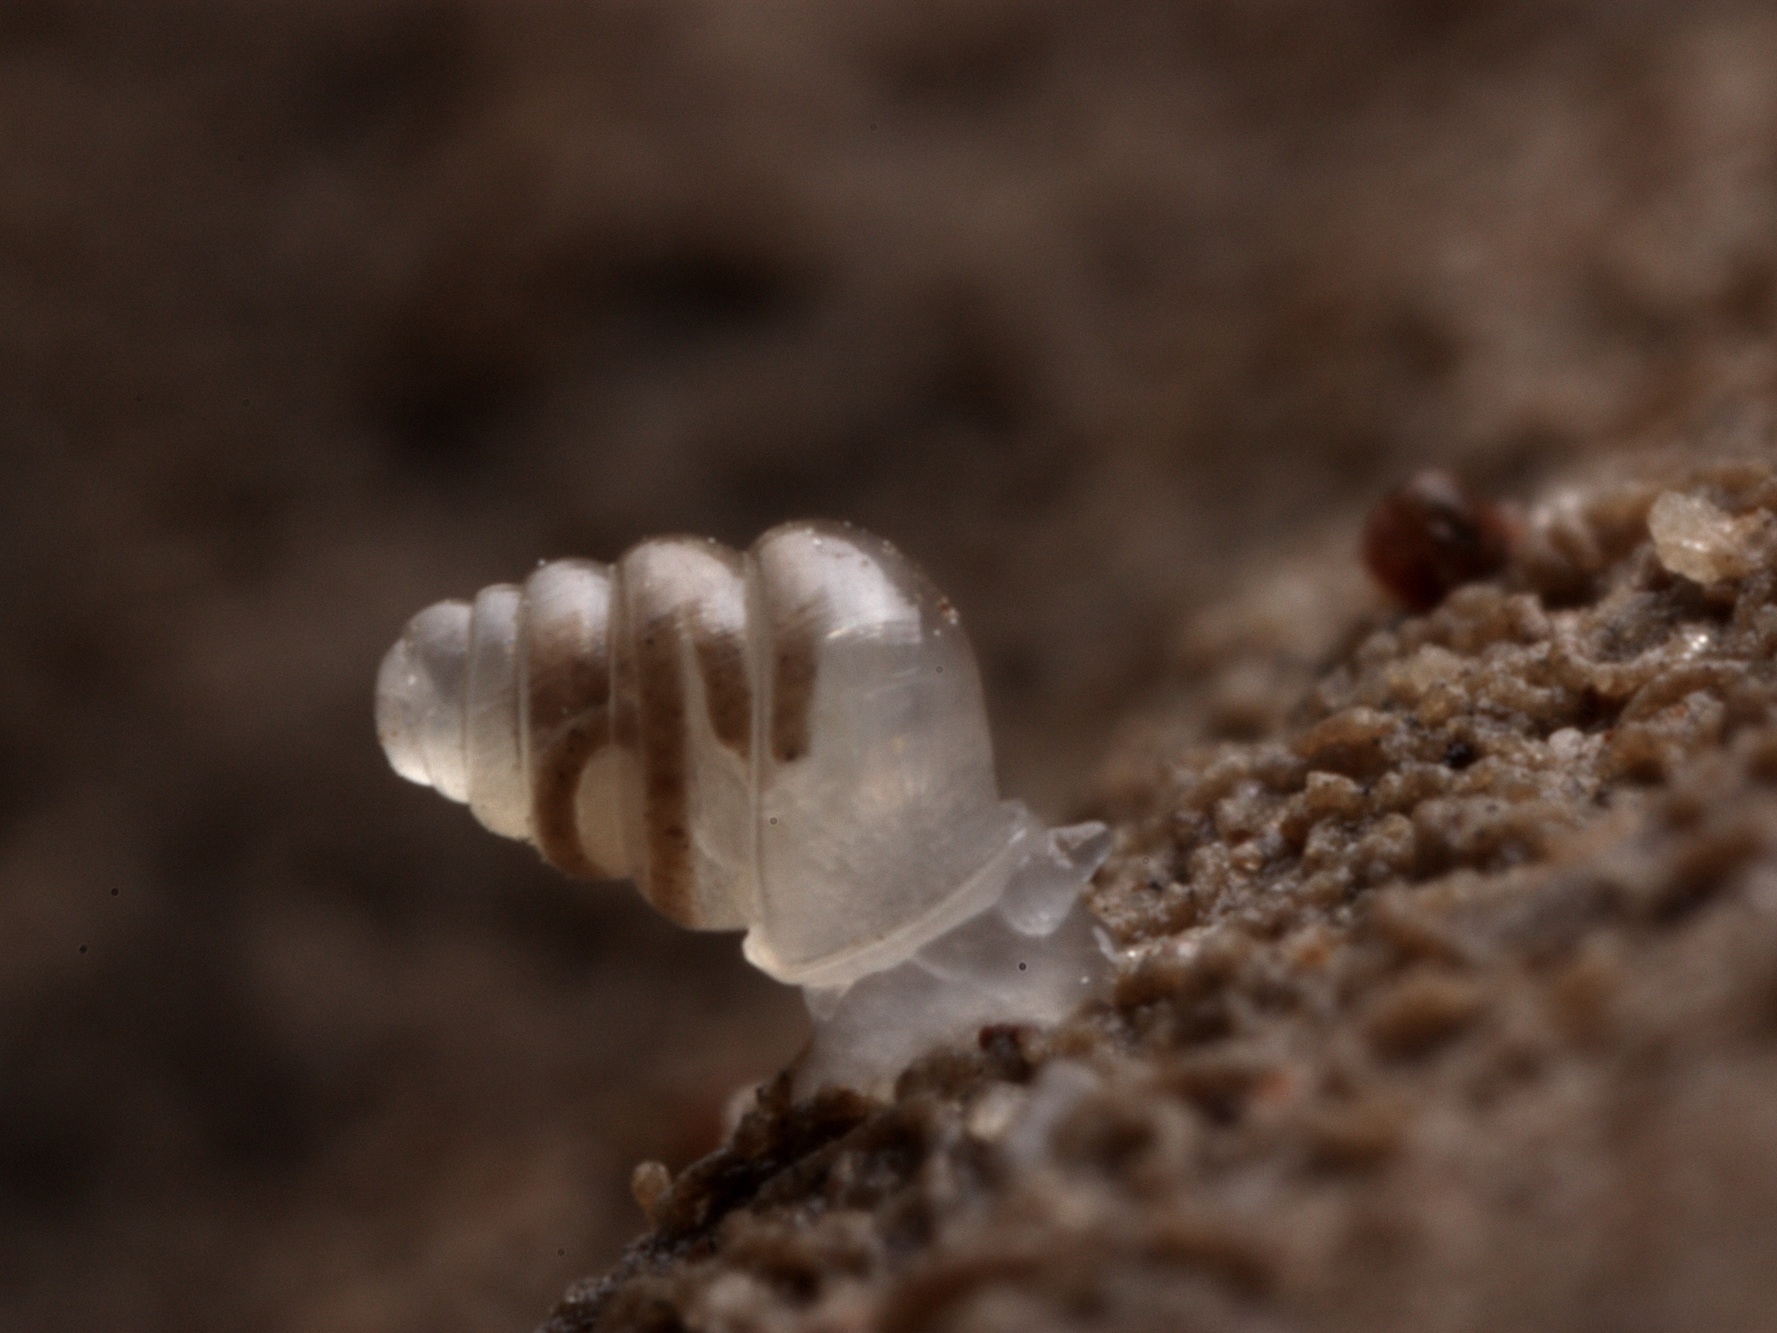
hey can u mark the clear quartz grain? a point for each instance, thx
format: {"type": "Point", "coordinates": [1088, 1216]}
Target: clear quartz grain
{"type": "Point", "coordinates": [1701, 542]}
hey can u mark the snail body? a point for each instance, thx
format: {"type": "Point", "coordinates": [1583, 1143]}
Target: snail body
{"type": "Point", "coordinates": [789, 739]}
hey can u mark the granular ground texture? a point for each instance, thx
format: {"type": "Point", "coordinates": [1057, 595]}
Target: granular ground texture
{"type": "Point", "coordinates": [1450, 999]}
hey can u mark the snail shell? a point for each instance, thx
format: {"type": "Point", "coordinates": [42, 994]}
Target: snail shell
{"type": "Point", "coordinates": [789, 739]}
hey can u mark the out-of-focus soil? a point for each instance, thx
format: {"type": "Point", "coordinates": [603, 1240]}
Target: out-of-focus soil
{"type": "Point", "coordinates": [315, 312]}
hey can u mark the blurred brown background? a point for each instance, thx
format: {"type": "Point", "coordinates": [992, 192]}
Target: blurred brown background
{"type": "Point", "coordinates": [313, 311]}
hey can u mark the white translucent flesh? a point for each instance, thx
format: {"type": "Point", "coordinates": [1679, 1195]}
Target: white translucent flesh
{"type": "Point", "coordinates": [419, 699]}
{"type": "Point", "coordinates": [866, 841]}
{"type": "Point", "coordinates": [1033, 957]}
{"type": "Point", "coordinates": [499, 789]}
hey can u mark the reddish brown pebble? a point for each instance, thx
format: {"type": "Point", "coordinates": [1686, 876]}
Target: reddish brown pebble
{"type": "Point", "coordinates": [1431, 535]}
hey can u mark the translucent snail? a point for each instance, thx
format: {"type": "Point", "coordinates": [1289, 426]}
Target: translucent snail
{"type": "Point", "coordinates": [790, 740]}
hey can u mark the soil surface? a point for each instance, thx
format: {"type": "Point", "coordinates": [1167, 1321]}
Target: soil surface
{"type": "Point", "coordinates": [1449, 1000]}
{"type": "Point", "coordinates": [1118, 318]}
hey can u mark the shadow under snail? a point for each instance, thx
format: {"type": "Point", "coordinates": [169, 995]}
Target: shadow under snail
{"type": "Point", "coordinates": [790, 740]}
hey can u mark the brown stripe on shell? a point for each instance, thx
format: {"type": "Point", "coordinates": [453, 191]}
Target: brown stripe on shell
{"type": "Point", "coordinates": [623, 693]}
{"type": "Point", "coordinates": [555, 785]}
{"type": "Point", "coordinates": [663, 741]}
{"type": "Point", "coordinates": [728, 694]}
{"type": "Point", "coordinates": [625, 728]}
{"type": "Point", "coordinates": [794, 666]}
{"type": "Point", "coordinates": [568, 693]}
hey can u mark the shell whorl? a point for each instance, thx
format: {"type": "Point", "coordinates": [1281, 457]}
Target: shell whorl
{"type": "Point", "coordinates": [790, 738]}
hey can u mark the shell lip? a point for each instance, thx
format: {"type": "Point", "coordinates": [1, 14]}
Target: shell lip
{"type": "Point", "coordinates": [972, 897]}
